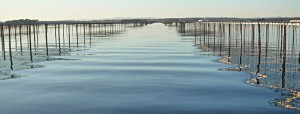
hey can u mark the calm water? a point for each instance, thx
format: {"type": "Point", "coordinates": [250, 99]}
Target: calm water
{"type": "Point", "coordinates": [148, 69]}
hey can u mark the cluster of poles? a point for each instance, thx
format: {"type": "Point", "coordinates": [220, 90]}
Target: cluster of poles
{"type": "Point", "coordinates": [270, 52]}
{"type": "Point", "coordinates": [18, 40]}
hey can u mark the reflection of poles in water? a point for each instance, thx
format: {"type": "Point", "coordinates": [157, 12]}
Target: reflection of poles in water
{"type": "Point", "coordinates": [284, 57]}
{"type": "Point", "coordinates": [3, 42]}
{"type": "Point", "coordinates": [259, 49]}
{"type": "Point", "coordinates": [9, 45]}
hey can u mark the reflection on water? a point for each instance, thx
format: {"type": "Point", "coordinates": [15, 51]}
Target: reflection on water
{"type": "Point", "coordinates": [23, 46]}
{"type": "Point", "coordinates": [269, 52]}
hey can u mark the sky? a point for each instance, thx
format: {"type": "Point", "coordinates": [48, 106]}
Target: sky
{"type": "Point", "coordinates": [98, 9]}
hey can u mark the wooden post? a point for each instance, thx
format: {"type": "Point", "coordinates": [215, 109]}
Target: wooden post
{"type": "Point", "coordinates": [58, 36]}
{"type": "Point", "coordinates": [214, 37]}
{"type": "Point", "coordinates": [69, 36]}
{"type": "Point", "coordinates": [84, 35]}
{"type": "Point", "coordinates": [46, 36]}
{"type": "Point", "coordinates": [34, 41]}
{"type": "Point", "coordinates": [30, 48]}
{"type": "Point", "coordinates": [229, 42]}
{"type": "Point", "coordinates": [241, 48]}
{"type": "Point", "coordinates": [3, 42]}
{"type": "Point", "coordinates": [20, 33]}
{"type": "Point", "coordinates": [259, 49]}
{"type": "Point", "coordinates": [90, 29]}
{"type": "Point", "coordinates": [77, 34]}
{"type": "Point", "coordinates": [55, 35]}
{"type": "Point", "coordinates": [284, 57]}
{"type": "Point", "coordinates": [9, 44]}
{"type": "Point", "coordinates": [37, 35]}
{"type": "Point", "coordinates": [16, 42]}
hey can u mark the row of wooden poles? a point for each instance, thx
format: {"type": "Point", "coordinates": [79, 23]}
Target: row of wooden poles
{"type": "Point", "coordinates": [33, 31]}
{"type": "Point", "coordinates": [269, 51]}
{"type": "Point", "coordinates": [38, 37]}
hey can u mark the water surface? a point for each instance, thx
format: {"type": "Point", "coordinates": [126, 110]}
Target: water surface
{"type": "Point", "coordinates": [148, 69]}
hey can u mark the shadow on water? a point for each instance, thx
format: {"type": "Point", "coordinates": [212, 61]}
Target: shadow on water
{"type": "Point", "coordinates": [268, 52]}
{"type": "Point", "coordinates": [24, 46]}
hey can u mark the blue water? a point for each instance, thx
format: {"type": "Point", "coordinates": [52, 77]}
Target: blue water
{"type": "Point", "coordinates": [146, 70]}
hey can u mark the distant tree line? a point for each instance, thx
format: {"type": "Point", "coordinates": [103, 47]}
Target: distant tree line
{"type": "Point", "coordinates": [22, 21]}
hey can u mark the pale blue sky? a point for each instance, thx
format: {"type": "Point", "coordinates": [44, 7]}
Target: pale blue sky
{"type": "Point", "coordinates": [96, 9]}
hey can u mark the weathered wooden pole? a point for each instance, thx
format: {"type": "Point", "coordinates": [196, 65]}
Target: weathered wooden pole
{"type": "Point", "coordinates": [259, 49]}
{"type": "Point", "coordinates": [229, 42]}
{"type": "Point", "coordinates": [69, 36]}
{"type": "Point", "coordinates": [204, 29]}
{"type": "Point", "coordinates": [90, 31]}
{"type": "Point", "coordinates": [267, 40]}
{"type": "Point", "coordinates": [105, 29]}
{"type": "Point", "coordinates": [214, 47]}
{"type": "Point", "coordinates": [3, 42]}
{"type": "Point", "coordinates": [16, 42]}
{"type": "Point", "coordinates": [46, 37]}
{"type": "Point", "coordinates": [9, 45]}
{"type": "Point", "coordinates": [253, 37]}
{"type": "Point", "coordinates": [30, 47]}
{"type": "Point", "coordinates": [63, 25]}
{"type": "Point", "coordinates": [77, 34]}
{"type": "Point", "coordinates": [59, 40]}
{"type": "Point", "coordinates": [84, 35]}
{"type": "Point", "coordinates": [195, 31]}
{"type": "Point", "coordinates": [58, 32]}
{"type": "Point", "coordinates": [208, 30]}
{"type": "Point", "coordinates": [20, 33]}
{"type": "Point", "coordinates": [55, 35]}
{"type": "Point", "coordinates": [34, 41]}
{"type": "Point", "coordinates": [284, 57]}
{"type": "Point", "coordinates": [241, 48]}
{"type": "Point", "coordinates": [37, 35]}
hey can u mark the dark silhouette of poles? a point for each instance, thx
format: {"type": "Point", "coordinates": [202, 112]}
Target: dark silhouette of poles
{"type": "Point", "coordinates": [20, 33]}
{"type": "Point", "coordinates": [69, 36]}
{"type": "Point", "coordinates": [77, 34]}
{"type": "Point", "coordinates": [30, 48]}
{"type": "Point", "coordinates": [3, 42]}
{"type": "Point", "coordinates": [46, 37]}
{"type": "Point", "coordinates": [9, 45]}
{"type": "Point", "coordinates": [16, 42]}
{"type": "Point", "coordinates": [259, 49]}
